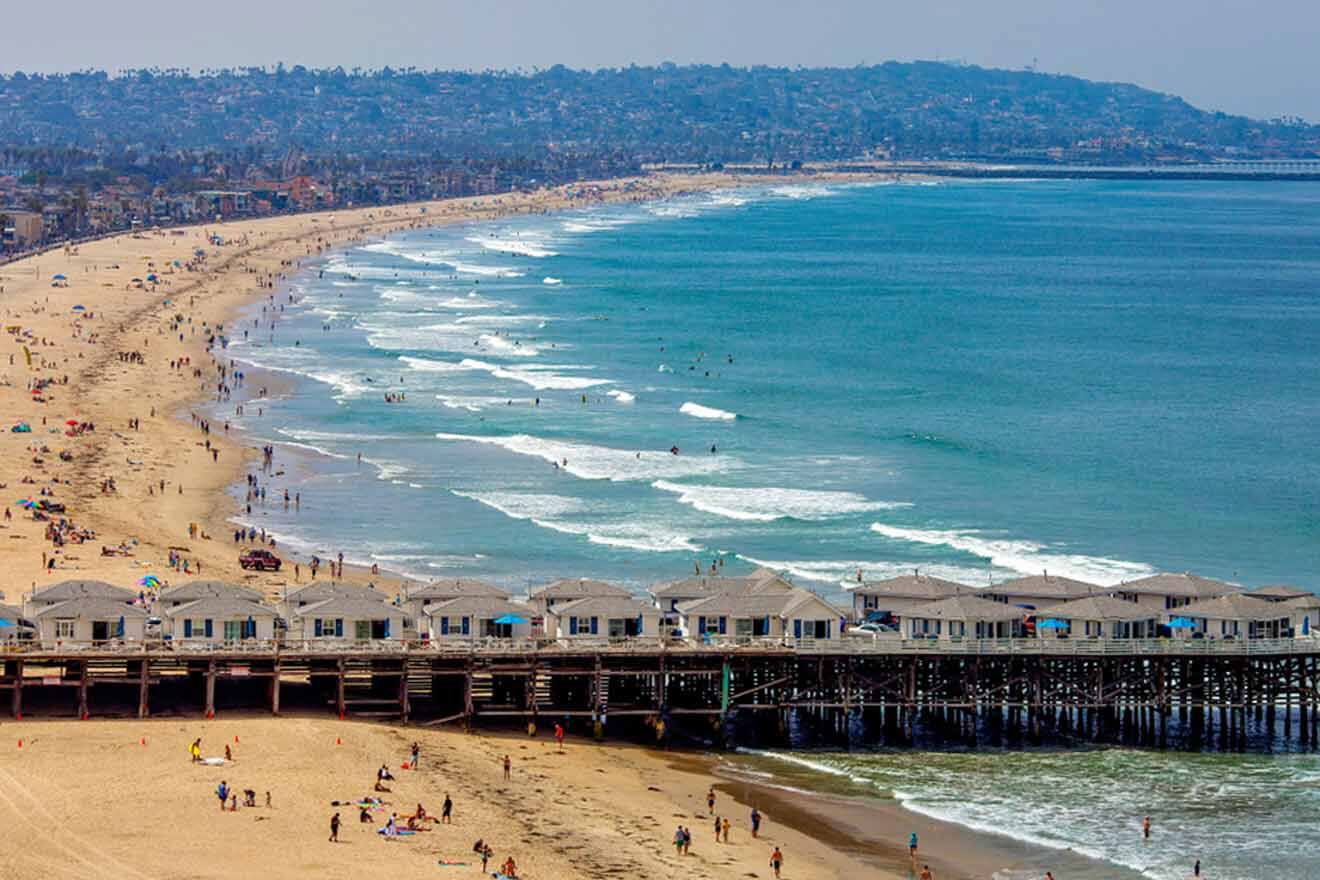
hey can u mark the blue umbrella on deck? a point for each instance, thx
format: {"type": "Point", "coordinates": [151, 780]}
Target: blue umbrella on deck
{"type": "Point", "coordinates": [510, 619]}
{"type": "Point", "coordinates": [58, 278]}
{"type": "Point", "coordinates": [1182, 623]}
{"type": "Point", "coordinates": [1052, 623]}
{"type": "Point", "coordinates": [4, 622]}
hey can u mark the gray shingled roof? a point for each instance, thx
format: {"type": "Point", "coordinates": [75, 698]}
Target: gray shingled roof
{"type": "Point", "coordinates": [349, 606]}
{"type": "Point", "coordinates": [606, 606]}
{"type": "Point", "coordinates": [1234, 606]}
{"type": "Point", "coordinates": [220, 606]}
{"type": "Point", "coordinates": [1277, 592]}
{"type": "Point", "coordinates": [479, 606]}
{"type": "Point", "coordinates": [91, 606]}
{"type": "Point", "coordinates": [204, 589]}
{"type": "Point", "coordinates": [453, 588]}
{"type": "Point", "coordinates": [77, 589]}
{"type": "Point", "coordinates": [319, 591]}
{"type": "Point", "coordinates": [1043, 586]}
{"type": "Point", "coordinates": [1099, 608]}
{"type": "Point", "coordinates": [966, 608]}
{"type": "Point", "coordinates": [1186, 585]}
{"type": "Point", "coordinates": [911, 586]}
{"type": "Point", "coordinates": [754, 604]}
{"type": "Point", "coordinates": [578, 588]}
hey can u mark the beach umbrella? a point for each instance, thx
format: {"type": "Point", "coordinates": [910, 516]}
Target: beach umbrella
{"type": "Point", "coordinates": [1181, 623]}
{"type": "Point", "coordinates": [1052, 623]}
{"type": "Point", "coordinates": [80, 308]}
{"type": "Point", "coordinates": [71, 422]}
{"type": "Point", "coordinates": [149, 581]}
{"type": "Point", "coordinates": [510, 619]}
{"type": "Point", "coordinates": [58, 278]}
{"type": "Point", "coordinates": [4, 622]}
{"type": "Point", "coordinates": [151, 277]}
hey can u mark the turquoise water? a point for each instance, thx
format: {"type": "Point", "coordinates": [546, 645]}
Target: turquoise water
{"type": "Point", "coordinates": [1095, 379]}
{"type": "Point", "coordinates": [1245, 817]}
{"type": "Point", "coordinates": [983, 380]}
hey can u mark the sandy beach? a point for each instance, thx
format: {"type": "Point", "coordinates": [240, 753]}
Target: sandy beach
{"type": "Point", "coordinates": [107, 372]}
{"type": "Point", "coordinates": [84, 797]}
{"type": "Point", "coordinates": [92, 342]}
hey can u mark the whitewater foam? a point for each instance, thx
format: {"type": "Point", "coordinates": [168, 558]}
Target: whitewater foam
{"type": "Point", "coordinates": [547, 512]}
{"type": "Point", "coordinates": [590, 462]}
{"type": "Point", "coordinates": [770, 503]}
{"type": "Point", "coordinates": [521, 247]}
{"type": "Point", "coordinates": [706, 412]}
{"type": "Point", "coordinates": [1025, 557]}
{"type": "Point", "coordinates": [540, 379]}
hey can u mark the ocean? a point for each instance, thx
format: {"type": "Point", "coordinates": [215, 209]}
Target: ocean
{"type": "Point", "coordinates": [978, 380]}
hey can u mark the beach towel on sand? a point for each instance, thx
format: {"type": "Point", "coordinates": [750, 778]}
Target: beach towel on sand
{"type": "Point", "coordinates": [213, 762]}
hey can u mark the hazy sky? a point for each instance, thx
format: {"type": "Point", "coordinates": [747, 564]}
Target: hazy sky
{"type": "Point", "coordinates": [1259, 58]}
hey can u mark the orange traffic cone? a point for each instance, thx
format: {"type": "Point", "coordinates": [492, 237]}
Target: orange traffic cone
{"type": "Point", "coordinates": [143, 741]}
{"type": "Point", "coordinates": [338, 742]}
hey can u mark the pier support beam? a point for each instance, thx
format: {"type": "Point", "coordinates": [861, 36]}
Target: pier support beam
{"type": "Point", "coordinates": [275, 688]}
{"type": "Point", "coordinates": [144, 688]}
{"type": "Point", "coordinates": [403, 693]}
{"type": "Point", "coordinates": [82, 691]}
{"type": "Point", "coordinates": [340, 704]}
{"type": "Point", "coordinates": [210, 689]}
{"type": "Point", "coordinates": [16, 698]}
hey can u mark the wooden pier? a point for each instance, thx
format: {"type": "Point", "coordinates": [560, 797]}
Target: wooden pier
{"type": "Point", "coordinates": [1231, 696]}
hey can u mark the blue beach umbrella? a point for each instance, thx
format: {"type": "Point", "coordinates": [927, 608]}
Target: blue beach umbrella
{"type": "Point", "coordinates": [1182, 623]}
{"type": "Point", "coordinates": [1052, 623]}
{"type": "Point", "coordinates": [58, 278]}
{"type": "Point", "coordinates": [510, 619]}
{"type": "Point", "coordinates": [4, 622]}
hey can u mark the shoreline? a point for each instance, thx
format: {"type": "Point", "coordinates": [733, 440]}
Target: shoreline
{"type": "Point", "coordinates": [124, 318]}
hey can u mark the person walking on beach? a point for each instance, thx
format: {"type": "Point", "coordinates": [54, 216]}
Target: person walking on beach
{"type": "Point", "coordinates": [559, 735]}
{"type": "Point", "coordinates": [415, 756]}
{"type": "Point", "coordinates": [717, 829]}
{"type": "Point", "coordinates": [926, 874]}
{"type": "Point", "coordinates": [726, 829]}
{"type": "Point", "coordinates": [334, 828]}
{"type": "Point", "coordinates": [222, 792]}
{"type": "Point", "coordinates": [508, 768]}
{"type": "Point", "coordinates": [710, 800]}
{"type": "Point", "coordinates": [756, 822]}
{"type": "Point", "coordinates": [1196, 869]}
{"type": "Point", "coordinates": [486, 853]}
{"type": "Point", "coordinates": [196, 750]}
{"type": "Point", "coordinates": [446, 810]}
{"type": "Point", "coordinates": [912, 846]}
{"type": "Point", "coordinates": [678, 840]}
{"type": "Point", "coordinates": [776, 860]}
{"type": "Point", "coordinates": [1145, 828]}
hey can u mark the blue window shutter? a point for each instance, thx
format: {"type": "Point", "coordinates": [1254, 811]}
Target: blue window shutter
{"type": "Point", "coordinates": [317, 623]}
{"type": "Point", "coordinates": [387, 627]}
{"type": "Point", "coordinates": [572, 626]}
{"type": "Point", "coordinates": [639, 624]}
{"type": "Point", "coordinates": [797, 628]}
{"type": "Point", "coordinates": [701, 625]}
{"type": "Point", "coordinates": [593, 625]}
{"type": "Point", "coordinates": [208, 627]}
{"type": "Point", "coordinates": [339, 627]}
{"type": "Point", "coordinates": [766, 623]}
{"type": "Point", "coordinates": [444, 626]}
{"type": "Point", "coordinates": [466, 626]}
{"type": "Point", "coordinates": [723, 624]}
{"type": "Point", "coordinates": [187, 629]}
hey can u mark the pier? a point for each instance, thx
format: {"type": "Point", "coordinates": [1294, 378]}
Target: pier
{"type": "Point", "coordinates": [1188, 694]}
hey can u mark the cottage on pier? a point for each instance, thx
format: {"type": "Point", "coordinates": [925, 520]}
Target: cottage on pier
{"type": "Point", "coordinates": [219, 620]}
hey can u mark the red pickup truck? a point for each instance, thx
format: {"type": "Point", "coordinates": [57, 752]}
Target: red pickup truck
{"type": "Point", "coordinates": [261, 560]}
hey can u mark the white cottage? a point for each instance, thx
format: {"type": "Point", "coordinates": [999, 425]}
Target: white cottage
{"type": "Point", "coordinates": [1099, 617]}
{"type": "Point", "coordinates": [545, 599]}
{"type": "Point", "coordinates": [614, 617]}
{"type": "Point", "coordinates": [1235, 616]}
{"type": "Point", "coordinates": [65, 590]}
{"type": "Point", "coordinates": [347, 618]}
{"type": "Point", "coordinates": [90, 620]}
{"type": "Point", "coordinates": [959, 617]}
{"type": "Point", "coordinates": [894, 597]}
{"type": "Point", "coordinates": [1040, 591]}
{"type": "Point", "coordinates": [205, 589]}
{"type": "Point", "coordinates": [217, 620]}
{"type": "Point", "coordinates": [418, 598]}
{"type": "Point", "coordinates": [797, 613]}
{"type": "Point", "coordinates": [478, 617]}
{"type": "Point", "coordinates": [1165, 592]}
